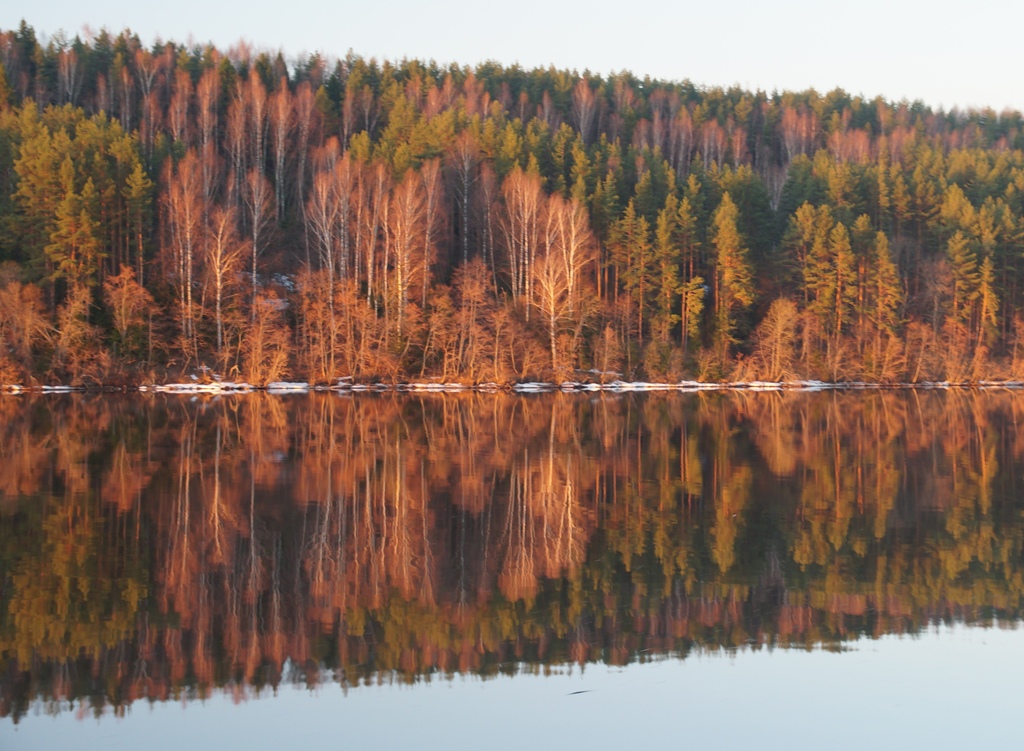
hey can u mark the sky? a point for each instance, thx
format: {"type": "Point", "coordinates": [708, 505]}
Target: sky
{"type": "Point", "coordinates": [948, 54]}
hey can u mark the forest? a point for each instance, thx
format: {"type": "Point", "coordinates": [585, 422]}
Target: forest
{"type": "Point", "coordinates": [173, 210]}
{"type": "Point", "coordinates": [166, 549]}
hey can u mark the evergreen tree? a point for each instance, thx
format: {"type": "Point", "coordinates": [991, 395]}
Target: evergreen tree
{"type": "Point", "coordinates": [885, 294]}
{"type": "Point", "coordinates": [734, 287]}
{"type": "Point", "coordinates": [631, 250]}
{"type": "Point", "coordinates": [830, 277]}
{"type": "Point", "coordinates": [667, 257]}
{"type": "Point", "coordinates": [964, 264]}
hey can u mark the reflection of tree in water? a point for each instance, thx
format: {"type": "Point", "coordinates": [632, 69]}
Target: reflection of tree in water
{"type": "Point", "coordinates": [157, 547]}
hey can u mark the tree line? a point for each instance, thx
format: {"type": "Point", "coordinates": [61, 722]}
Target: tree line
{"type": "Point", "coordinates": [182, 209]}
{"type": "Point", "coordinates": [159, 548]}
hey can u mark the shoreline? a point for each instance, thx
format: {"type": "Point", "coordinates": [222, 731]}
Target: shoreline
{"type": "Point", "coordinates": [537, 387]}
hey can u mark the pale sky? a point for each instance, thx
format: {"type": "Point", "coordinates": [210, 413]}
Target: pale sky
{"type": "Point", "coordinates": [945, 53]}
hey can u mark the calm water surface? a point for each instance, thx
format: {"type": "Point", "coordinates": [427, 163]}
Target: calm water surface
{"type": "Point", "coordinates": [492, 571]}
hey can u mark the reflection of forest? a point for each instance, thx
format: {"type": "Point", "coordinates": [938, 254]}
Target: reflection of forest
{"type": "Point", "coordinates": [163, 548]}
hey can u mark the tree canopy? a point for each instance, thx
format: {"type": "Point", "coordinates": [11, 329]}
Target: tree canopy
{"type": "Point", "coordinates": [896, 230]}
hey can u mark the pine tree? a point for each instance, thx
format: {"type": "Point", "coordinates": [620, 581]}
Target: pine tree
{"type": "Point", "coordinates": [138, 195]}
{"type": "Point", "coordinates": [830, 278]}
{"type": "Point", "coordinates": [988, 302]}
{"type": "Point", "coordinates": [884, 284]}
{"type": "Point", "coordinates": [630, 245]}
{"type": "Point", "coordinates": [900, 198]}
{"type": "Point", "coordinates": [692, 290]}
{"type": "Point", "coordinates": [667, 257]}
{"type": "Point", "coordinates": [734, 287]}
{"type": "Point", "coordinates": [964, 263]}
{"type": "Point", "coordinates": [74, 248]}
{"type": "Point", "coordinates": [884, 298]}
{"type": "Point", "coordinates": [884, 195]}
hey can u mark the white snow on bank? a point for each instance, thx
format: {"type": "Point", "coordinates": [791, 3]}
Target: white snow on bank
{"type": "Point", "coordinates": [286, 387]}
{"type": "Point", "coordinates": [699, 386]}
{"type": "Point", "coordinates": [809, 385]}
{"type": "Point", "coordinates": [639, 386]}
{"type": "Point", "coordinates": [533, 388]}
{"type": "Point", "coordinates": [1001, 384]}
{"type": "Point", "coordinates": [433, 387]}
{"type": "Point", "coordinates": [347, 386]}
{"type": "Point", "coordinates": [758, 385]}
{"type": "Point", "coordinates": [217, 387]}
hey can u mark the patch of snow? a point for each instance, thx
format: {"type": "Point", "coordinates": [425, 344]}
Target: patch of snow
{"type": "Point", "coordinates": [533, 388]}
{"type": "Point", "coordinates": [699, 386]}
{"type": "Point", "coordinates": [764, 386]}
{"type": "Point", "coordinates": [808, 385]}
{"type": "Point", "coordinates": [284, 280]}
{"type": "Point", "coordinates": [1001, 384]}
{"type": "Point", "coordinates": [283, 387]}
{"type": "Point", "coordinates": [641, 386]}
{"type": "Point", "coordinates": [431, 387]}
{"type": "Point", "coordinates": [218, 387]}
{"type": "Point", "coordinates": [933, 385]}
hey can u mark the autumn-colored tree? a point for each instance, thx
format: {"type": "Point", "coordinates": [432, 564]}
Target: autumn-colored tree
{"type": "Point", "coordinates": [265, 346]}
{"type": "Point", "coordinates": [404, 251]}
{"type": "Point", "coordinates": [775, 355]}
{"type": "Point", "coordinates": [77, 353]}
{"type": "Point", "coordinates": [183, 213]}
{"type": "Point", "coordinates": [319, 161]}
{"type": "Point", "coordinates": [519, 225]}
{"type": "Point", "coordinates": [224, 252]}
{"type": "Point", "coordinates": [259, 205]}
{"type": "Point", "coordinates": [131, 308]}
{"type": "Point", "coordinates": [23, 323]}
{"type": "Point", "coordinates": [462, 160]}
{"type": "Point", "coordinates": [281, 121]}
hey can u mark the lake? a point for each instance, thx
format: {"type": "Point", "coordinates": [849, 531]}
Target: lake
{"type": "Point", "coordinates": [794, 569]}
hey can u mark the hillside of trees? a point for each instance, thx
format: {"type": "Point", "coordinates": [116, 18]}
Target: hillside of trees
{"type": "Point", "coordinates": [172, 209]}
